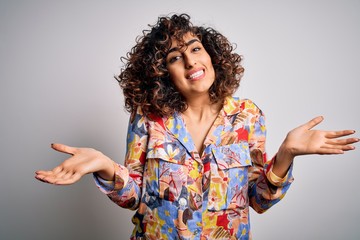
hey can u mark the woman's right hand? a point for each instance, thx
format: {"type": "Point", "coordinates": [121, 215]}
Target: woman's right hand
{"type": "Point", "coordinates": [83, 161]}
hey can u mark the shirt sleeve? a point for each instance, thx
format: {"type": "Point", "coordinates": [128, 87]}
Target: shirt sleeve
{"type": "Point", "coordinates": [265, 188]}
{"type": "Point", "coordinates": [274, 179]}
{"type": "Point", "coordinates": [126, 189]}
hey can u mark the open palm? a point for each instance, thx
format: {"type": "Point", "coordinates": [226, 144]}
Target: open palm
{"type": "Point", "coordinates": [304, 140]}
{"type": "Point", "coordinates": [82, 161]}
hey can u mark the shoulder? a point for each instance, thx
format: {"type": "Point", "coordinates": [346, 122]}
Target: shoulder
{"type": "Point", "coordinates": [150, 120]}
{"type": "Point", "coordinates": [248, 104]}
{"type": "Point", "coordinates": [233, 105]}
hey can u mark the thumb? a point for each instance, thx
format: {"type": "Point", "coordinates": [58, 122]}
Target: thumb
{"type": "Point", "coordinates": [63, 148]}
{"type": "Point", "coordinates": [313, 122]}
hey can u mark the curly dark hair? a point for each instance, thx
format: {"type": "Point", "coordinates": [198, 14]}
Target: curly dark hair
{"type": "Point", "coordinates": [145, 79]}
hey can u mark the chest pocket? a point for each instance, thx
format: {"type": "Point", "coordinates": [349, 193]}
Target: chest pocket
{"type": "Point", "coordinates": [229, 177]}
{"type": "Point", "coordinates": [170, 174]}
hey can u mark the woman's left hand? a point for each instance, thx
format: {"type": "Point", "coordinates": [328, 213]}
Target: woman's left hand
{"type": "Point", "coordinates": [305, 140]}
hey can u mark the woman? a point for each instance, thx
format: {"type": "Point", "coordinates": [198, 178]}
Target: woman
{"type": "Point", "coordinates": [195, 157]}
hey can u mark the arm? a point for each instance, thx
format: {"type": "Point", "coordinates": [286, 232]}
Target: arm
{"type": "Point", "coordinates": [265, 189]}
{"type": "Point", "coordinates": [126, 188]}
{"type": "Point", "coordinates": [270, 181]}
{"type": "Point", "coordinates": [123, 184]}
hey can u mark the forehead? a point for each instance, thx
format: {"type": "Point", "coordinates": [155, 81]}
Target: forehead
{"type": "Point", "coordinates": [185, 39]}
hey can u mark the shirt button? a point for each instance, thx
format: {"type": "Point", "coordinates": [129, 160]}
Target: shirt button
{"type": "Point", "coordinates": [198, 198]}
{"type": "Point", "coordinates": [196, 231]}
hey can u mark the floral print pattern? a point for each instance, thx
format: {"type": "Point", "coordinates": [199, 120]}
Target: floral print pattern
{"type": "Point", "coordinates": [178, 193]}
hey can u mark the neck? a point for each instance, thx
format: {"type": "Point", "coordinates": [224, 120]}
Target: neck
{"type": "Point", "coordinates": [201, 110]}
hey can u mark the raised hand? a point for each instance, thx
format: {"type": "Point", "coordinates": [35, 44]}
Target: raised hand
{"type": "Point", "coordinates": [82, 161]}
{"type": "Point", "coordinates": [305, 140]}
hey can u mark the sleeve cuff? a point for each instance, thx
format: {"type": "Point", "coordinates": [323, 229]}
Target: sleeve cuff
{"type": "Point", "coordinates": [121, 179]}
{"type": "Point", "coordinates": [275, 180]}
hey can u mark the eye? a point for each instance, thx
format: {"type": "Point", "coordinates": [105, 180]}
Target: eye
{"type": "Point", "coordinates": [196, 49]}
{"type": "Point", "coordinates": [174, 59]}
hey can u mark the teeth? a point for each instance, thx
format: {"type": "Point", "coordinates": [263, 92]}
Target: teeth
{"type": "Point", "coordinates": [197, 74]}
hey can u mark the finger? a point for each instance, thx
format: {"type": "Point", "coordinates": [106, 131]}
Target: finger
{"type": "Point", "coordinates": [54, 178]}
{"type": "Point", "coordinates": [42, 174]}
{"type": "Point", "coordinates": [342, 141]}
{"type": "Point", "coordinates": [344, 147]}
{"type": "Point", "coordinates": [68, 175]}
{"type": "Point", "coordinates": [41, 178]}
{"type": "Point", "coordinates": [336, 134]}
{"type": "Point", "coordinates": [47, 179]}
{"type": "Point", "coordinates": [64, 148]}
{"type": "Point", "coordinates": [330, 151]}
{"type": "Point", "coordinates": [56, 169]}
{"type": "Point", "coordinates": [72, 179]}
{"type": "Point", "coordinates": [313, 122]}
{"type": "Point", "coordinates": [348, 148]}
{"type": "Point", "coordinates": [50, 176]}
{"type": "Point", "coordinates": [338, 147]}
{"type": "Point", "coordinates": [60, 174]}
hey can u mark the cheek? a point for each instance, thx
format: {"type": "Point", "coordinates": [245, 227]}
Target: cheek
{"type": "Point", "coordinates": [173, 78]}
{"type": "Point", "coordinates": [212, 70]}
{"type": "Point", "coordinates": [175, 75]}
{"type": "Point", "coordinates": [173, 72]}
{"type": "Point", "coordinates": [210, 65]}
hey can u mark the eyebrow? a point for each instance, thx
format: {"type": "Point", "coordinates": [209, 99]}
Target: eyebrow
{"type": "Point", "coordinates": [186, 44]}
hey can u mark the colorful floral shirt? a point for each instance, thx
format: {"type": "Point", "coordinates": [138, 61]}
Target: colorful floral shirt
{"type": "Point", "coordinates": [179, 194]}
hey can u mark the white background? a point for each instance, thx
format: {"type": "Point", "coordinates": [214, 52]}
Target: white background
{"type": "Point", "coordinates": [57, 62]}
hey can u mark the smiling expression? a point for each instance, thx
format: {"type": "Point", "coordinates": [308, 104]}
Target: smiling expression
{"type": "Point", "coordinates": [190, 67]}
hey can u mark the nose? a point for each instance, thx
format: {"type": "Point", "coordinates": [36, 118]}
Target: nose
{"type": "Point", "coordinates": [190, 61]}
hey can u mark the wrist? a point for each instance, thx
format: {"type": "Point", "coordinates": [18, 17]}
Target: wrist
{"type": "Point", "coordinates": [108, 171]}
{"type": "Point", "coordinates": [285, 153]}
{"type": "Point", "coordinates": [283, 161]}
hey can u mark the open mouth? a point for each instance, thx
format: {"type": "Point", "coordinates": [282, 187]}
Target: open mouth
{"type": "Point", "coordinates": [196, 75]}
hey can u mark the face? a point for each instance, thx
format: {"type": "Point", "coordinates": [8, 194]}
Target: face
{"type": "Point", "coordinates": [190, 67]}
